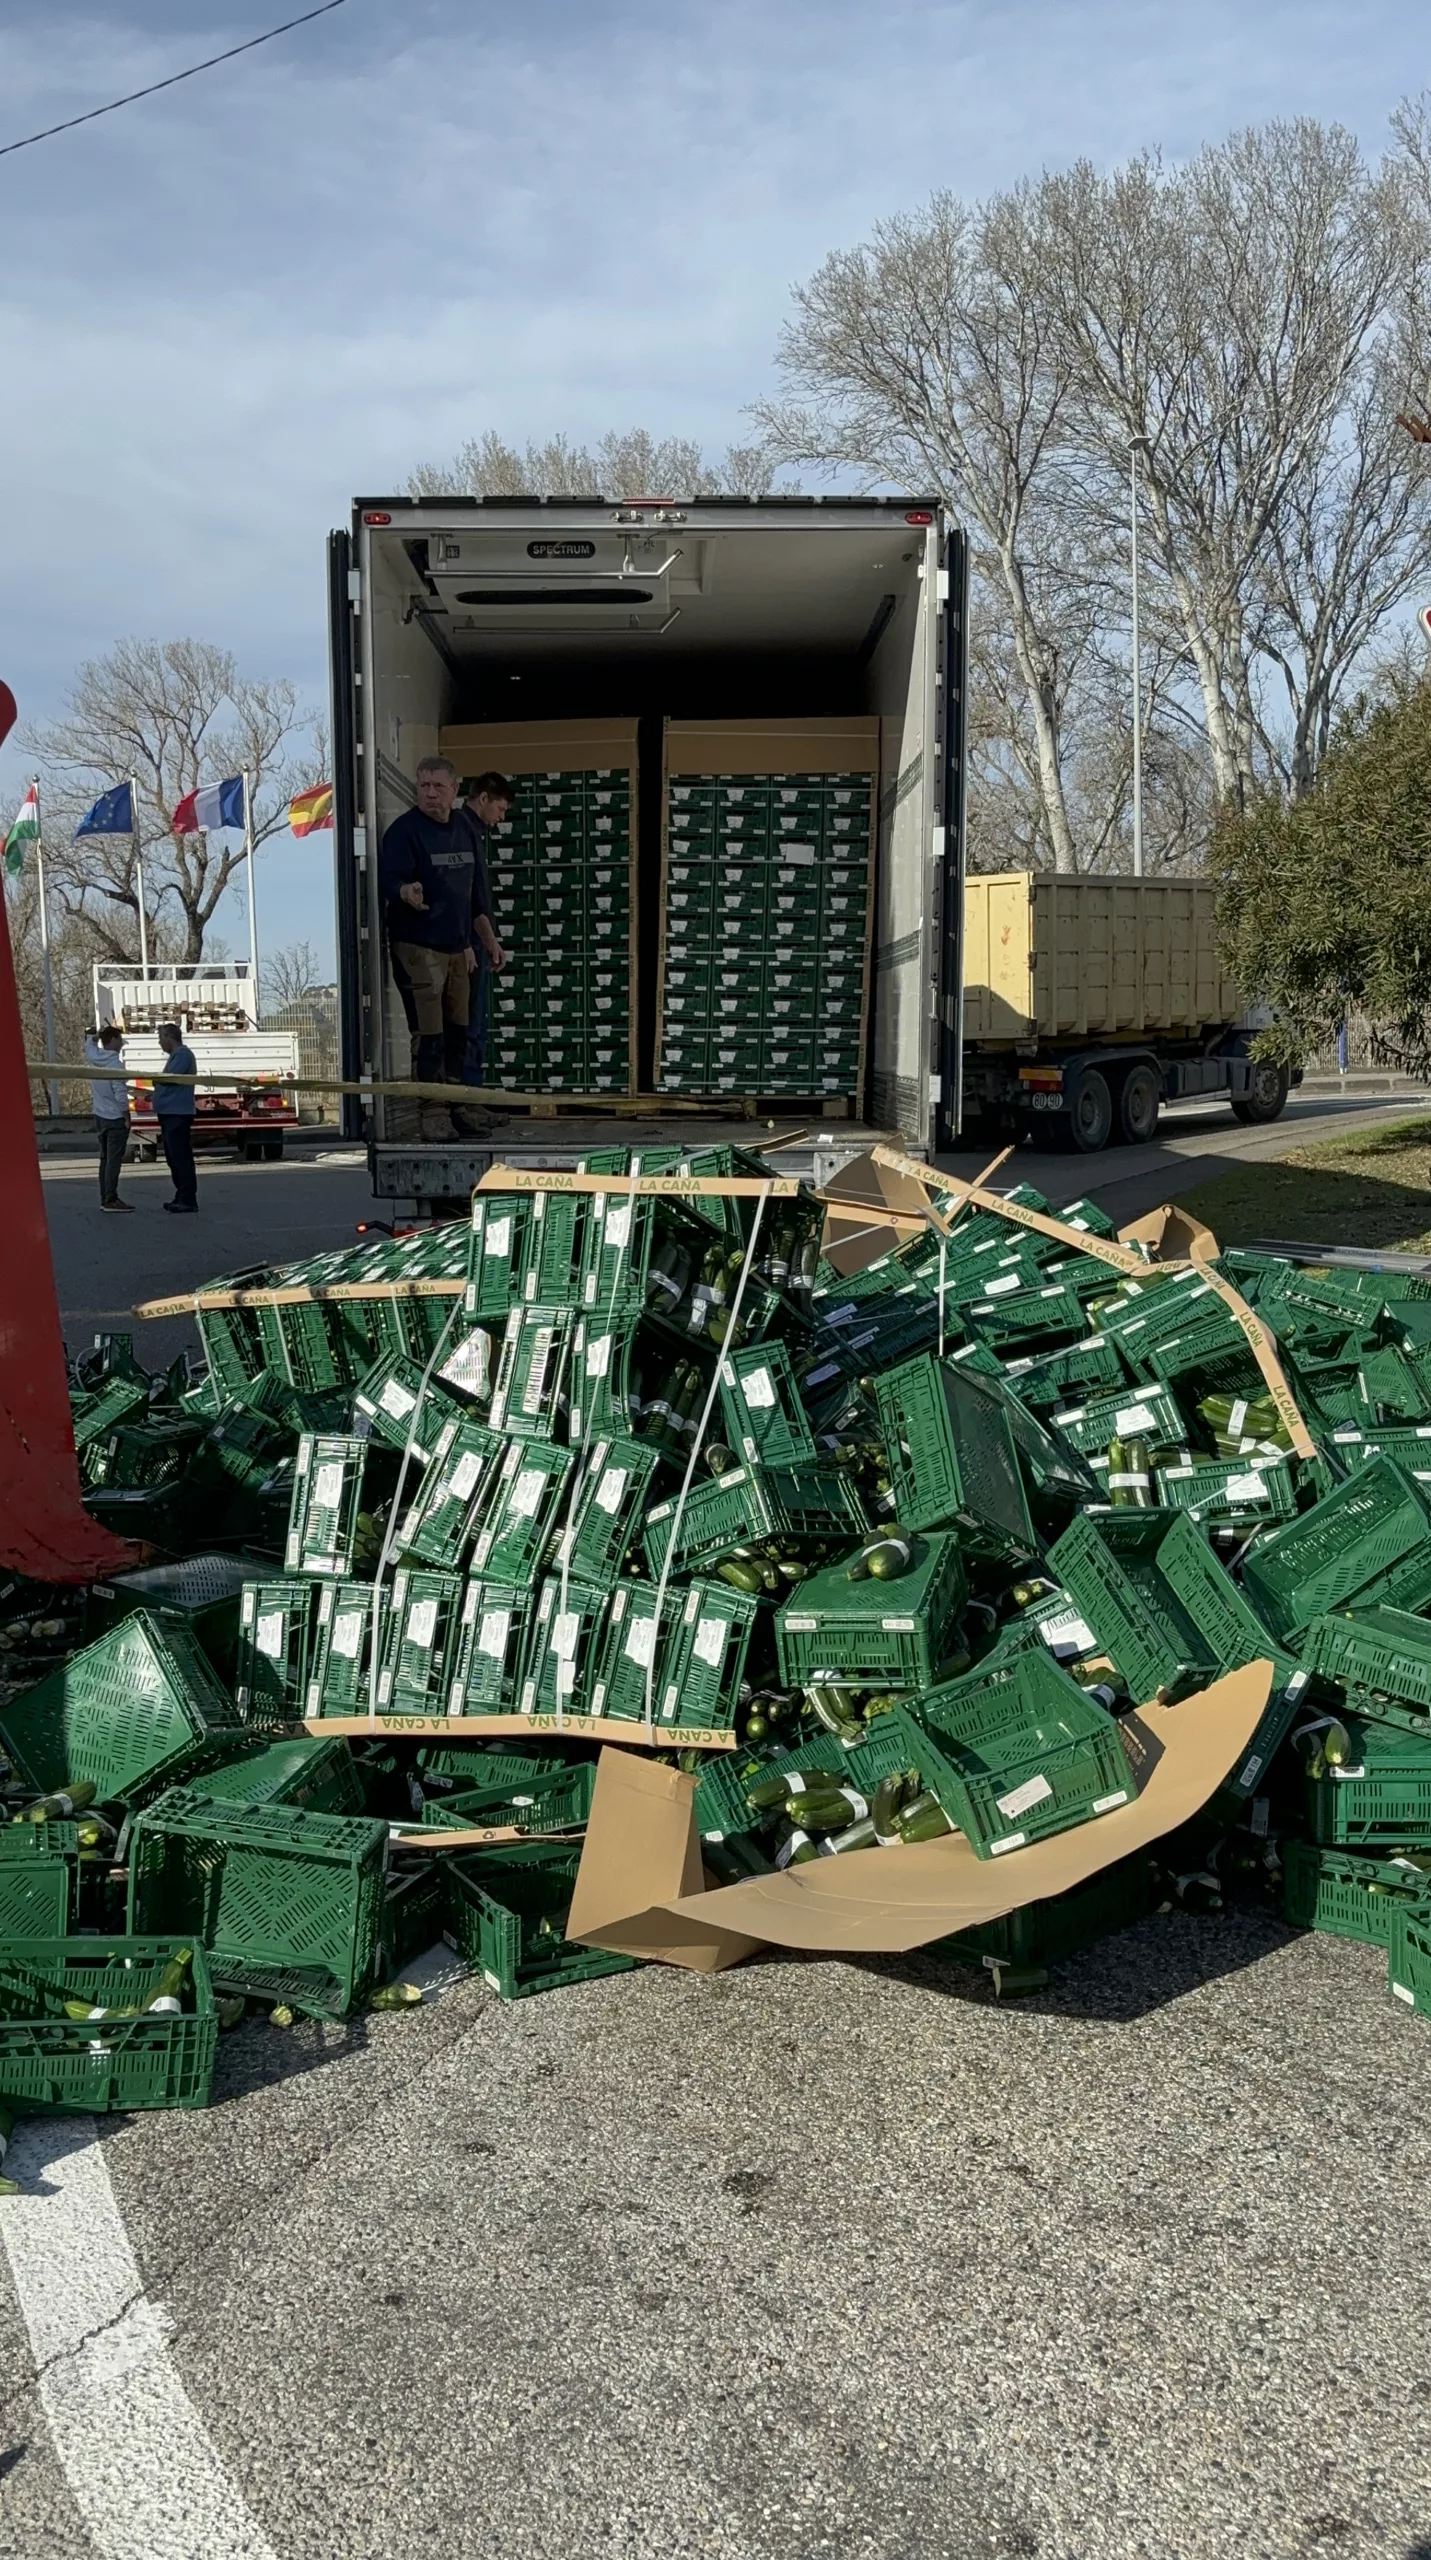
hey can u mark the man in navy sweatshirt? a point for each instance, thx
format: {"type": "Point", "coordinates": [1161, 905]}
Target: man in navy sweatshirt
{"type": "Point", "coordinates": [435, 899]}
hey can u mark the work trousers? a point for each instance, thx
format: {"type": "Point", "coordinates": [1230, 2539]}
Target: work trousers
{"type": "Point", "coordinates": [113, 1136]}
{"type": "Point", "coordinates": [177, 1139]}
{"type": "Point", "coordinates": [435, 999]}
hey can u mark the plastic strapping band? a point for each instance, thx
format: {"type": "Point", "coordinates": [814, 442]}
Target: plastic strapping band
{"type": "Point", "coordinates": [579, 1471]}
{"type": "Point", "coordinates": [694, 1459]}
{"type": "Point", "coordinates": [395, 1512]}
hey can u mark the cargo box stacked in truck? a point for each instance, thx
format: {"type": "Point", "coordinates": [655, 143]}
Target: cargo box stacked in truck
{"type": "Point", "coordinates": [1090, 1003]}
{"type": "Point", "coordinates": [807, 652]}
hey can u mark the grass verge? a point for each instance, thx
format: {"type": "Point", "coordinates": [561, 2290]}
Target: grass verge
{"type": "Point", "coordinates": [1367, 1191]}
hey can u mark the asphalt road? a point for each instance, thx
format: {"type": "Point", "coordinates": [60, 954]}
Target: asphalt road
{"type": "Point", "coordinates": [814, 2258]}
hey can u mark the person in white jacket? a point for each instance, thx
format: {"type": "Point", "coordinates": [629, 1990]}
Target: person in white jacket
{"type": "Point", "coordinates": [109, 1101]}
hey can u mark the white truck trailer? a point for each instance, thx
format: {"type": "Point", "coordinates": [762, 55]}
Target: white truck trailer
{"type": "Point", "coordinates": [215, 1005]}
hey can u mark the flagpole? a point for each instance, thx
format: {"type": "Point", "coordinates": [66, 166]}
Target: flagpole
{"type": "Point", "coordinates": [139, 881]}
{"type": "Point", "coordinates": [52, 1090]}
{"type": "Point", "coordinates": [252, 895]}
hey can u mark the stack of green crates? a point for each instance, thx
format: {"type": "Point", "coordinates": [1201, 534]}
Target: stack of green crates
{"type": "Point", "coordinates": [561, 903]}
{"type": "Point", "coordinates": [765, 913]}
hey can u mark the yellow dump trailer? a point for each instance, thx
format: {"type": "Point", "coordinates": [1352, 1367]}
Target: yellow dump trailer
{"type": "Point", "coordinates": [1090, 1003]}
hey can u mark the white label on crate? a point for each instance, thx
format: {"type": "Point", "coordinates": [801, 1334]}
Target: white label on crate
{"type": "Point", "coordinates": [1014, 1840]}
{"type": "Point", "coordinates": [709, 1644]}
{"type": "Point", "coordinates": [385, 1688]}
{"type": "Point", "coordinates": [759, 1390]}
{"type": "Point", "coordinates": [817, 1377]}
{"type": "Point", "coordinates": [1248, 1488]}
{"type": "Point", "coordinates": [1403, 1991]}
{"type": "Point", "coordinates": [598, 1356]}
{"type": "Point", "coordinates": [641, 1642]}
{"type": "Point", "coordinates": [842, 1315]}
{"type": "Point", "coordinates": [799, 1626]}
{"type": "Point", "coordinates": [617, 1229]}
{"type": "Point", "coordinates": [1023, 1799]}
{"type": "Point", "coordinates": [1135, 1417]}
{"type": "Point", "coordinates": [465, 1476]}
{"type": "Point", "coordinates": [1068, 1633]}
{"type": "Point", "coordinates": [1001, 1288]}
{"type": "Point", "coordinates": [328, 1486]}
{"type": "Point", "coordinates": [397, 1400]}
{"type": "Point", "coordinates": [493, 1633]}
{"type": "Point", "coordinates": [1250, 1771]}
{"type": "Point", "coordinates": [611, 1488]}
{"type": "Point", "coordinates": [898, 1626]}
{"type": "Point", "coordinates": [422, 1624]}
{"type": "Point", "coordinates": [347, 1636]}
{"type": "Point", "coordinates": [498, 1238]}
{"type": "Point", "coordinates": [528, 1698]}
{"type": "Point", "coordinates": [526, 1494]}
{"type": "Point", "coordinates": [1105, 1804]}
{"type": "Point", "coordinates": [268, 1635]}
{"type": "Point", "coordinates": [543, 1340]}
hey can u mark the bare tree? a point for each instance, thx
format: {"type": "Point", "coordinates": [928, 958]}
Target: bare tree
{"type": "Point", "coordinates": [174, 714]}
{"type": "Point", "coordinates": [633, 465]}
{"type": "Point", "coordinates": [291, 975]}
{"type": "Point", "coordinates": [1225, 321]}
{"type": "Point", "coordinates": [924, 360]}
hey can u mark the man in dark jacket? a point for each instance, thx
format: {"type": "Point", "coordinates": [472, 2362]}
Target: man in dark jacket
{"type": "Point", "coordinates": [435, 902]}
{"type": "Point", "coordinates": [174, 1106]}
{"type": "Point", "coordinates": [488, 800]}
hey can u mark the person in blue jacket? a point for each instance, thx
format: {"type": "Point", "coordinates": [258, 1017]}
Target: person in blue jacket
{"type": "Point", "coordinates": [175, 1105]}
{"type": "Point", "coordinates": [436, 904]}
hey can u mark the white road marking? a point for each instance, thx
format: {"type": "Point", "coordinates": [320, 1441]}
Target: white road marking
{"type": "Point", "coordinates": [143, 2469]}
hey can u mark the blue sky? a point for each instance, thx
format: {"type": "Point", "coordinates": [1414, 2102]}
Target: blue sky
{"type": "Point", "coordinates": [230, 308]}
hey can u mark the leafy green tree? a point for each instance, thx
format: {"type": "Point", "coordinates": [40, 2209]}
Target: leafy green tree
{"type": "Point", "coordinates": [1325, 904]}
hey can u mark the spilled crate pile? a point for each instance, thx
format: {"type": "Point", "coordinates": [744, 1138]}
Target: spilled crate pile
{"type": "Point", "coordinates": [876, 1558]}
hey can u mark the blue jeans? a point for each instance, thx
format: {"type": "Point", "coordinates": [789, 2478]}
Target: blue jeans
{"type": "Point", "coordinates": [474, 1064]}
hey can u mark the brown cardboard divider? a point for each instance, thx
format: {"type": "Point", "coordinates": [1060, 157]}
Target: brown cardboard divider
{"type": "Point", "coordinates": [1169, 1234]}
{"type": "Point", "coordinates": [639, 1890]}
{"type": "Point", "coordinates": [869, 1209]}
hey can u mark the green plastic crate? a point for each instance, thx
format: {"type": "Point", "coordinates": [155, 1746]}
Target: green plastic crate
{"type": "Point", "coordinates": [952, 1460]}
{"type": "Point", "coordinates": [504, 1912]}
{"type": "Point", "coordinates": [126, 1711]}
{"type": "Point", "coordinates": [552, 1246]}
{"type": "Point", "coordinates": [563, 1647]}
{"type": "Point", "coordinates": [601, 1374]}
{"type": "Point", "coordinates": [445, 1513]}
{"type": "Point", "coordinates": [627, 1241]}
{"type": "Point", "coordinates": [524, 1508]}
{"type": "Point", "coordinates": [1409, 1443]}
{"type": "Point", "coordinates": [764, 1420]}
{"type": "Point", "coordinates": [748, 1503]}
{"type": "Point", "coordinates": [419, 1633]}
{"type": "Point", "coordinates": [704, 1655]}
{"type": "Point", "coordinates": [607, 1504]}
{"type": "Point", "coordinates": [38, 1865]}
{"type": "Point", "coordinates": [289, 1904]}
{"type": "Point", "coordinates": [395, 1405]}
{"type": "Point", "coordinates": [1048, 1378]}
{"type": "Point", "coordinates": [1037, 1314]}
{"type": "Point", "coordinates": [1382, 1798]}
{"type": "Point", "coordinates": [489, 1649]}
{"type": "Point", "coordinates": [61, 2066]}
{"type": "Point", "coordinates": [96, 1415]}
{"type": "Point", "coordinates": [628, 1671]}
{"type": "Point", "coordinates": [1235, 1492]}
{"type": "Point", "coordinates": [302, 1770]}
{"type": "Point", "coordinates": [529, 1395]}
{"type": "Point", "coordinates": [271, 1667]}
{"type": "Point", "coordinates": [872, 1634]}
{"type": "Point", "coordinates": [1408, 1964]}
{"type": "Point", "coordinates": [560, 1800]}
{"type": "Point", "coordinates": [1143, 1625]}
{"type": "Point", "coordinates": [497, 1248]}
{"type": "Point", "coordinates": [412, 1913]}
{"type": "Point", "coordinates": [341, 1653]}
{"type": "Point", "coordinates": [1348, 1896]}
{"type": "Point", "coordinates": [327, 1497]}
{"type": "Point", "coordinates": [1381, 1658]}
{"type": "Point", "coordinates": [1370, 1539]}
{"type": "Point", "coordinates": [203, 1591]}
{"type": "Point", "coordinates": [1147, 1413]}
{"type": "Point", "coordinates": [1018, 1764]}
{"type": "Point", "coordinates": [1063, 1924]}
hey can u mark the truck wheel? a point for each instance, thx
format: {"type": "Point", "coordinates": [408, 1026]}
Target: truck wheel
{"type": "Point", "coordinates": [1266, 1096]}
{"type": "Point", "coordinates": [1138, 1106]}
{"type": "Point", "coordinates": [1088, 1122]}
{"type": "Point", "coordinates": [272, 1150]}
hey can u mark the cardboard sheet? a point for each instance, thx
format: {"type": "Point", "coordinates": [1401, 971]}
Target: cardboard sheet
{"type": "Point", "coordinates": [639, 1889]}
{"type": "Point", "coordinates": [869, 1209]}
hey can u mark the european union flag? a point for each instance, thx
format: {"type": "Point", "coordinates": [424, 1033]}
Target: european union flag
{"type": "Point", "coordinates": [112, 814]}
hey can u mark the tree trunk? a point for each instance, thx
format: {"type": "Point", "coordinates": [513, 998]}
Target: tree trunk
{"type": "Point", "coordinates": [1043, 707]}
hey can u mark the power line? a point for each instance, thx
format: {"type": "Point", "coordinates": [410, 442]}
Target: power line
{"type": "Point", "coordinates": [173, 80]}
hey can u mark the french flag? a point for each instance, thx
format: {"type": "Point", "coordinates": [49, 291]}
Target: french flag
{"type": "Point", "coordinates": [219, 804]}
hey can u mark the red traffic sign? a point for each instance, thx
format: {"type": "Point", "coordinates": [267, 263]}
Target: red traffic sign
{"type": "Point", "coordinates": [1424, 618]}
{"type": "Point", "coordinates": [8, 713]}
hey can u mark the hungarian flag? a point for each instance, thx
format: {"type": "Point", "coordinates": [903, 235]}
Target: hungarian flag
{"type": "Point", "coordinates": [23, 833]}
{"type": "Point", "coordinates": [310, 810]}
{"type": "Point", "coordinates": [219, 804]}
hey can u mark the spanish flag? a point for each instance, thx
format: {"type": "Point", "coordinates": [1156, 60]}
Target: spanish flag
{"type": "Point", "coordinates": [310, 810]}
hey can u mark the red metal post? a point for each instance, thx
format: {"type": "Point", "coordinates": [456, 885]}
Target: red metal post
{"type": "Point", "coordinates": [45, 1530]}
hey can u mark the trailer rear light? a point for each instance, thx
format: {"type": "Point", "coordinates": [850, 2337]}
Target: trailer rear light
{"type": "Point", "coordinates": [920, 515]}
{"type": "Point", "coordinates": [379, 515]}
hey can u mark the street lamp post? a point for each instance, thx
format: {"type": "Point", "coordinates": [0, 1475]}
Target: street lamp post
{"type": "Point", "coordinates": [1139, 445]}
